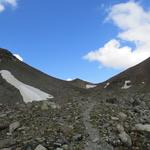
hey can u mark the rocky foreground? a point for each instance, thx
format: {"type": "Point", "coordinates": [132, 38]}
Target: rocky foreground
{"type": "Point", "coordinates": [94, 123]}
{"type": "Point", "coordinates": [41, 126]}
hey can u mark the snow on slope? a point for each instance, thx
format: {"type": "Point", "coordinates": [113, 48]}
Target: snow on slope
{"type": "Point", "coordinates": [107, 84]}
{"type": "Point", "coordinates": [28, 92]}
{"type": "Point", "coordinates": [89, 86]}
{"type": "Point", "coordinates": [18, 57]}
{"type": "Point", "coordinates": [126, 84]}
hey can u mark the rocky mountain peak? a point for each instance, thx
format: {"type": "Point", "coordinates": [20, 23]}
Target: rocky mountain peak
{"type": "Point", "coordinates": [4, 53]}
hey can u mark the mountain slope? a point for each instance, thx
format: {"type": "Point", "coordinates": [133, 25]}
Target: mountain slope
{"type": "Point", "coordinates": [82, 84]}
{"type": "Point", "coordinates": [31, 77]}
{"type": "Point", "coordinates": [135, 76]}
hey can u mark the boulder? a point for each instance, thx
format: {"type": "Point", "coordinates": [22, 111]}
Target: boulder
{"type": "Point", "coordinates": [142, 127]}
{"type": "Point", "coordinates": [13, 126]}
{"type": "Point", "coordinates": [122, 116]}
{"type": "Point", "coordinates": [125, 138]}
{"type": "Point", "coordinates": [120, 128]}
{"type": "Point", "coordinates": [40, 147]}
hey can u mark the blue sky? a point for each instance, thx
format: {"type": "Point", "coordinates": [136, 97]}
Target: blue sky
{"type": "Point", "coordinates": [57, 36]}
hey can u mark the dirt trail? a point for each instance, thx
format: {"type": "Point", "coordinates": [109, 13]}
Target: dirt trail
{"type": "Point", "coordinates": [94, 138]}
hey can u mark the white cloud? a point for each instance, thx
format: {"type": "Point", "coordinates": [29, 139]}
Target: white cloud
{"type": "Point", "coordinates": [11, 2]}
{"type": "Point", "coordinates": [2, 8]}
{"type": "Point", "coordinates": [18, 57]}
{"type": "Point", "coordinates": [134, 23]}
{"type": "Point", "coordinates": [4, 3]}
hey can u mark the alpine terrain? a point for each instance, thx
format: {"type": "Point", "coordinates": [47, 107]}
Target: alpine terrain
{"type": "Point", "coordinates": [40, 112]}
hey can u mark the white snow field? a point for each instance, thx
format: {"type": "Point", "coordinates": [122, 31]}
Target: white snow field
{"type": "Point", "coordinates": [89, 86]}
{"type": "Point", "coordinates": [28, 92]}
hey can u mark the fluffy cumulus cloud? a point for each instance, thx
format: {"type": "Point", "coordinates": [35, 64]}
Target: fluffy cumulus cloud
{"type": "Point", "coordinates": [134, 24]}
{"type": "Point", "coordinates": [18, 57]}
{"type": "Point", "coordinates": [4, 3]}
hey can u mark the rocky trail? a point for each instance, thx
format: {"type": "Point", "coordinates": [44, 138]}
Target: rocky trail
{"type": "Point", "coordinates": [94, 142]}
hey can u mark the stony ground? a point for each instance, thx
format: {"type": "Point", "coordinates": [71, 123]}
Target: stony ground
{"type": "Point", "coordinates": [123, 122]}
{"type": "Point", "coordinates": [107, 122]}
{"type": "Point", "coordinates": [25, 126]}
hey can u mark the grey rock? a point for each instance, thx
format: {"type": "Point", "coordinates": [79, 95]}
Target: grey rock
{"type": "Point", "coordinates": [142, 127]}
{"type": "Point", "coordinates": [105, 146]}
{"type": "Point", "coordinates": [54, 105]}
{"type": "Point", "coordinates": [77, 137]}
{"type": "Point", "coordinates": [61, 140]}
{"type": "Point", "coordinates": [122, 116]}
{"type": "Point", "coordinates": [59, 148]}
{"type": "Point", "coordinates": [44, 106]}
{"type": "Point", "coordinates": [120, 128]}
{"type": "Point", "coordinates": [40, 147]}
{"type": "Point", "coordinates": [14, 126]}
{"type": "Point", "coordinates": [65, 147]}
{"type": "Point", "coordinates": [95, 140]}
{"type": "Point", "coordinates": [3, 115]}
{"type": "Point", "coordinates": [114, 118]}
{"type": "Point", "coordinates": [125, 138]}
{"type": "Point", "coordinates": [40, 140]}
{"type": "Point", "coordinates": [6, 143]}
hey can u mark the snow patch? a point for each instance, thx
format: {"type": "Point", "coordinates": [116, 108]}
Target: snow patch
{"type": "Point", "coordinates": [107, 84]}
{"type": "Point", "coordinates": [89, 86]}
{"type": "Point", "coordinates": [28, 92]}
{"type": "Point", "coordinates": [127, 84]}
{"type": "Point", "coordinates": [18, 57]}
{"type": "Point", "coordinates": [69, 79]}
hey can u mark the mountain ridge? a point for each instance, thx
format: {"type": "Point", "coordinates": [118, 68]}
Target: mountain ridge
{"type": "Point", "coordinates": [38, 111]}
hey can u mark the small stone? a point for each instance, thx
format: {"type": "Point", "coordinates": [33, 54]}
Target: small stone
{"type": "Point", "coordinates": [14, 126]}
{"type": "Point", "coordinates": [77, 137]}
{"type": "Point", "coordinates": [44, 106]}
{"type": "Point", "coordinates": [40, 140]}
{"type": "Point", "coordinates": [125, 138]}
{"type": "Point", "coordinates": [65, 147]}
{"type": "Point", "coordinates": [40, 147]}
{"type": "Point", "coordinates": [120, 128]}
{"type": "Point", "coordinates": [114, 118]}
{"type": "Point", "coordinates": [57, 144]}
{"type": "Point", "coordinates": [59, 148]}
{"type": "Point", "coordinates": [3, 115]}
{"type": "Point", "coordinates": [95, 140]}
{"type": "Point", "coordinates": [54, 105]}
{"type": "Point", "coordinates": [122, 116]}
{"type": "Point", "coordinates": [61, 140]}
